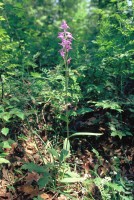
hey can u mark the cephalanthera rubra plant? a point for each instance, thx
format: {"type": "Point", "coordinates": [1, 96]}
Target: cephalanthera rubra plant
{"type": "Point", "coordinates": [66, 43]}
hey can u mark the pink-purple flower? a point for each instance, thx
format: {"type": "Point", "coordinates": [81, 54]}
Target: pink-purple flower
{"type": "Point", "coordinates": [69, 60]}
{"type": "Point", "coordinates": [64, 25]}
{"type": "Point", "coordinates": [66, 41]}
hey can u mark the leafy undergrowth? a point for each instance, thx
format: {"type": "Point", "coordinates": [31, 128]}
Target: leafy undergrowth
{"type": "Point", "coordinates": [45, 97]}
{"type": "Point", "coordinates": [98, 168]}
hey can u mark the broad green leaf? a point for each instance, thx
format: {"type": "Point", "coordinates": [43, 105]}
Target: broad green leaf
{"type": "Point", "coordinates": [53, 152]}
{"type": "Point", "coordinates": [5, 144]}
{"type": "Point", "coordinates": [2, 18]}
{"type": "Point", "coordinates": [63, 155]}
{"type": "Point", "coordinates": [84, 110]}
{"type": "Point", "coordinates": [85, 134]}
{"type": "Point", "coordinates": [35, 75]}
{"type": "Point", "coordinates": [72, 180]}
{"type": "Point", "coordinates": [3, 160]}
{"type": "Point", "coordinates": [3, 154]}
{"type": "Point", "coordinates": [109, 104]}
{"type": "Point", "coordinates": [63, 118]}
{"type": "Point", "coordinates": [96, 152]}
{"type": "Point", "coordinates": [116, 187]}
{"type": "Point", "coordinates": [66, 144]}
{"type": "Point", "coordinates": [42, 182]}
{"type": "Point", "coordinates": [1, 108]}
{"type": "Point", "coordinates": [34, 167]}
{"type": "Point", "coordinates": [117, 133]}
{"type": "Point", "coordinates": [20, 115]}
{"type": "Point", "coordinates": [15, 99]}
{"type": "Point", "coordinates": [126, 197]}
{"type": "Point", "coordinates": [5, 131]}
{"type": "Point", "coordinates": [5, 115]}
{"type": "Point", "coordinates": [72, 174]}
{"type": "Point", "coordinates": [1, 4]}
{"type": "Point", "coordinates": [22, 137]}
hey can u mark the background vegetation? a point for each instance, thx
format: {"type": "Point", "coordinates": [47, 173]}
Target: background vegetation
{"type": "Point", "coordinates": [100, 95]}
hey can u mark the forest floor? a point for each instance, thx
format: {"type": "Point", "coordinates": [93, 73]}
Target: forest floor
{"type": "Point", "coordinates": [88, 154]}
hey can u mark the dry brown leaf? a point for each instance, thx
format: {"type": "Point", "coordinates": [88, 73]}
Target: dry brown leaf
{"type": "Point", "coordinates": [102, 171]}
{"type": "Point", "coordinates": [30, 151]}
{"type": "Point", "coordinates": [4, 194]}
{"type": "Point", "coordinates": [91, 121]}
{"type": "Point", "coordinates": [3, 183]}
{"type": "Point", "coordinates": [14, 145]}
{"type": "Point", "coordinates": [29, 189]}
{"type": "Point", "coordinates": [102, 129]}
{"type": "Point", "coordinates": [3, 191]}
{"type": "Point", "coordinates": [36, 157]}
{"type": "Point", "coordinates": [30, 147]}
{"type": "Point", "coordinates": [32, 177]}
{"type": "Point", "coordinates": [45, 196]}
{"type": "Point", "coordinates": [62, 197]}
{"type": "Point", "coordinates": [91, 188]}
{"type": "Point", "coordinates": [8, 175]}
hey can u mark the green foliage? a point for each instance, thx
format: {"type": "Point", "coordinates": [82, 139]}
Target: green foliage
{"type": "Point", "coordinates": [33, 83]}
{"type": "Point", "coordinates": [84, 110]}
{"type": "Point", "coordinates": [34, 167]}
{"type": "Point", "coordinates": [108, 104]}
{"type": "Point", "coordinates": [3, 160]}
{"type": "Point", "coordinates": [42, 182]}
{"type": "Point", "coordinates": [43, 170]}
{"type": "Point", "coordinates": [116, 130]}
{"type": "Point", "coordinates": [72, 178]}
{"type": "Point", "coordinates": [5, 131]}
{"type": "Point", "coordinates": [112, 186]}
{"type": "Point", "coordinates": [101, 70]}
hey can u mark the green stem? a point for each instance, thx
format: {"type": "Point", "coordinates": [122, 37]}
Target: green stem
{"type": "Point", "coordinates": [2, 88]}
{"type": "Point", "coordinates": [66, 97]}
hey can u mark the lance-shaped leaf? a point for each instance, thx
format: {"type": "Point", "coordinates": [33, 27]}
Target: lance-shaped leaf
{"type": "Point", "coordinates": [85, 134]}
